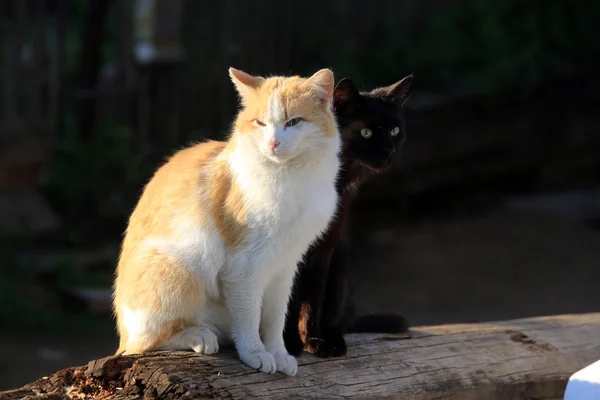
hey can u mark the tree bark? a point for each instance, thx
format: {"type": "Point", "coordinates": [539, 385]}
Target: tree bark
{"type": "Point", "coordinates": [519, 359]}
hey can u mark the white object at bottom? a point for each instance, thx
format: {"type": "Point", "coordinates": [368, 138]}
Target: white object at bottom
{"type": "Point", "coordinates": [584, 384]}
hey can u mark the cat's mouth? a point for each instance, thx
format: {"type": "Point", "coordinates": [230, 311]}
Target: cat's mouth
{"type": "Point", "coordinates": [279, 155]}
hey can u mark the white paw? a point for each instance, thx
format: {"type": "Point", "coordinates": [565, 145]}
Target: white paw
{"type": "Point", "coordinates": [204, 341]}
{"type": "Point", "coordinates": [286, 364]}
{"type": "Point", "coordinates": [261, 360]}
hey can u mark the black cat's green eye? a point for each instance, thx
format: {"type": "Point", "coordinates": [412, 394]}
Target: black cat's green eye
{"type": "Point", "coordinates": [293, 122]}
{"type": "Point", "coordinates": [395, 131]}
{"type": "Point", "coordinates": [366, 133]}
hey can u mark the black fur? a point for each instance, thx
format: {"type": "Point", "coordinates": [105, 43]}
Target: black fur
{"type": "Point", "coordinates": [321, 307]}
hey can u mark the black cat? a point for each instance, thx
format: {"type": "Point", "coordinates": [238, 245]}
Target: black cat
{"type": "Point", "coordinates": [321, 309]}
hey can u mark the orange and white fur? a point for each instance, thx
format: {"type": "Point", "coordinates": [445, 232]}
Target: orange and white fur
{"type": "Point", "coordinates": [211, 249]}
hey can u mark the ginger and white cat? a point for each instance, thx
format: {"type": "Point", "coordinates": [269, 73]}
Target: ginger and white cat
{"type": "Point", "coordinates": [211, 249]}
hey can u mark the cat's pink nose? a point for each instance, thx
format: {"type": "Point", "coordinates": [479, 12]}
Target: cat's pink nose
{"type": "Point", "coordinates": [273, 143]}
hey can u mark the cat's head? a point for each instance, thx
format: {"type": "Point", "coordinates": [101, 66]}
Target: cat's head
{"type": "Point", "coordinates": [371, 123]}
{"type": "Point", "coordinates": [284, 117]}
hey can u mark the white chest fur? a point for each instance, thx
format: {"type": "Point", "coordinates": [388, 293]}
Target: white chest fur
{"type": "Point", "coordinates": [288, 207]}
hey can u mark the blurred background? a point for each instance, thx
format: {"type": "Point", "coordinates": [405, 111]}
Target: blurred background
{"type": "Point", "coordinates": [493, 213]}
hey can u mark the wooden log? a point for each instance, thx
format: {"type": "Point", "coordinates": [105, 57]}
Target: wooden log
{"type": "Point", "coordinates": [520, 359]}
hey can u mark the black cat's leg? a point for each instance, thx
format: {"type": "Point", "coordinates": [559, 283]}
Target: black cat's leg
{"type": "Point", "coordinates": [334, 307]}
{"type": "Point", "coordinates": [291, 335]}
{"type": "Point", "coordinates": [316, 283]}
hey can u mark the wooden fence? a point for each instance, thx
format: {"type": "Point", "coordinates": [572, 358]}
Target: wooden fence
{"type": "Point", "coordinates": [58, 73]}
{"type": "Point", "coordinates": [33, 47]}
{"type": "Point", "coordinates": [55, 67]}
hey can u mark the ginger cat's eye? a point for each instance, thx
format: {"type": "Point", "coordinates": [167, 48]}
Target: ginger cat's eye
{"type": "Point", "coordinates": [366, 133]}
{"type": "Point", "coordinates": [293, 122]}
{"type": "Point", "coordinates": [259, 123]}
{"type": "Point", "coordinates": [395, 131]}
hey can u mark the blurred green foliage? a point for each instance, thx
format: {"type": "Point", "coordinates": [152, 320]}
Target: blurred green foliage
{"type": "Point", "coordinates": [482, 47]}
{"type": "Point", "coordinates": [478, 47]}
{"type": "Point", "coordinates": [28, 305]}
{"type": "Point", "coordinates": [84, 172]}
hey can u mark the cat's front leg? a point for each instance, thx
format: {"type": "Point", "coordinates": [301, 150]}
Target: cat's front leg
{"type": "Point", "coordinates": [243, 298]}
{"type": "Point", "coordinates": [275, 302]}
{"type": "Point", "coordinates": [291, 334]}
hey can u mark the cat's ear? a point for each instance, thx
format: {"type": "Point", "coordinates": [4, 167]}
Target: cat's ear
{"type": "Point", "coordinates": [322, 83]}
{"type": "Point", "coordinates": [245, 83]}
{"type": "Point", "coordinates": [400, 91]}
{"type": "Point", "coordinates": [345, 93]}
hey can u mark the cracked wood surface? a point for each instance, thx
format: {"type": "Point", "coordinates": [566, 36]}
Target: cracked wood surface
{"type": "Point", "coordinates": [519, 359]}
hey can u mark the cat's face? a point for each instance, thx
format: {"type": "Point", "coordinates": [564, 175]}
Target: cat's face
{"type": "Point", "coordinates": [284, 117]}
{"type": "Point", "coordinates": [372, 124]}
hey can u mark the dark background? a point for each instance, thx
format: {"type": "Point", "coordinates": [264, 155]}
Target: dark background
{"type": "Point", "coordinates": [493, 213]}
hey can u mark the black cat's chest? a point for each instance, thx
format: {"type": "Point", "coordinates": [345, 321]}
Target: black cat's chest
{"type": "Point", "coordinates": [351, 177]}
